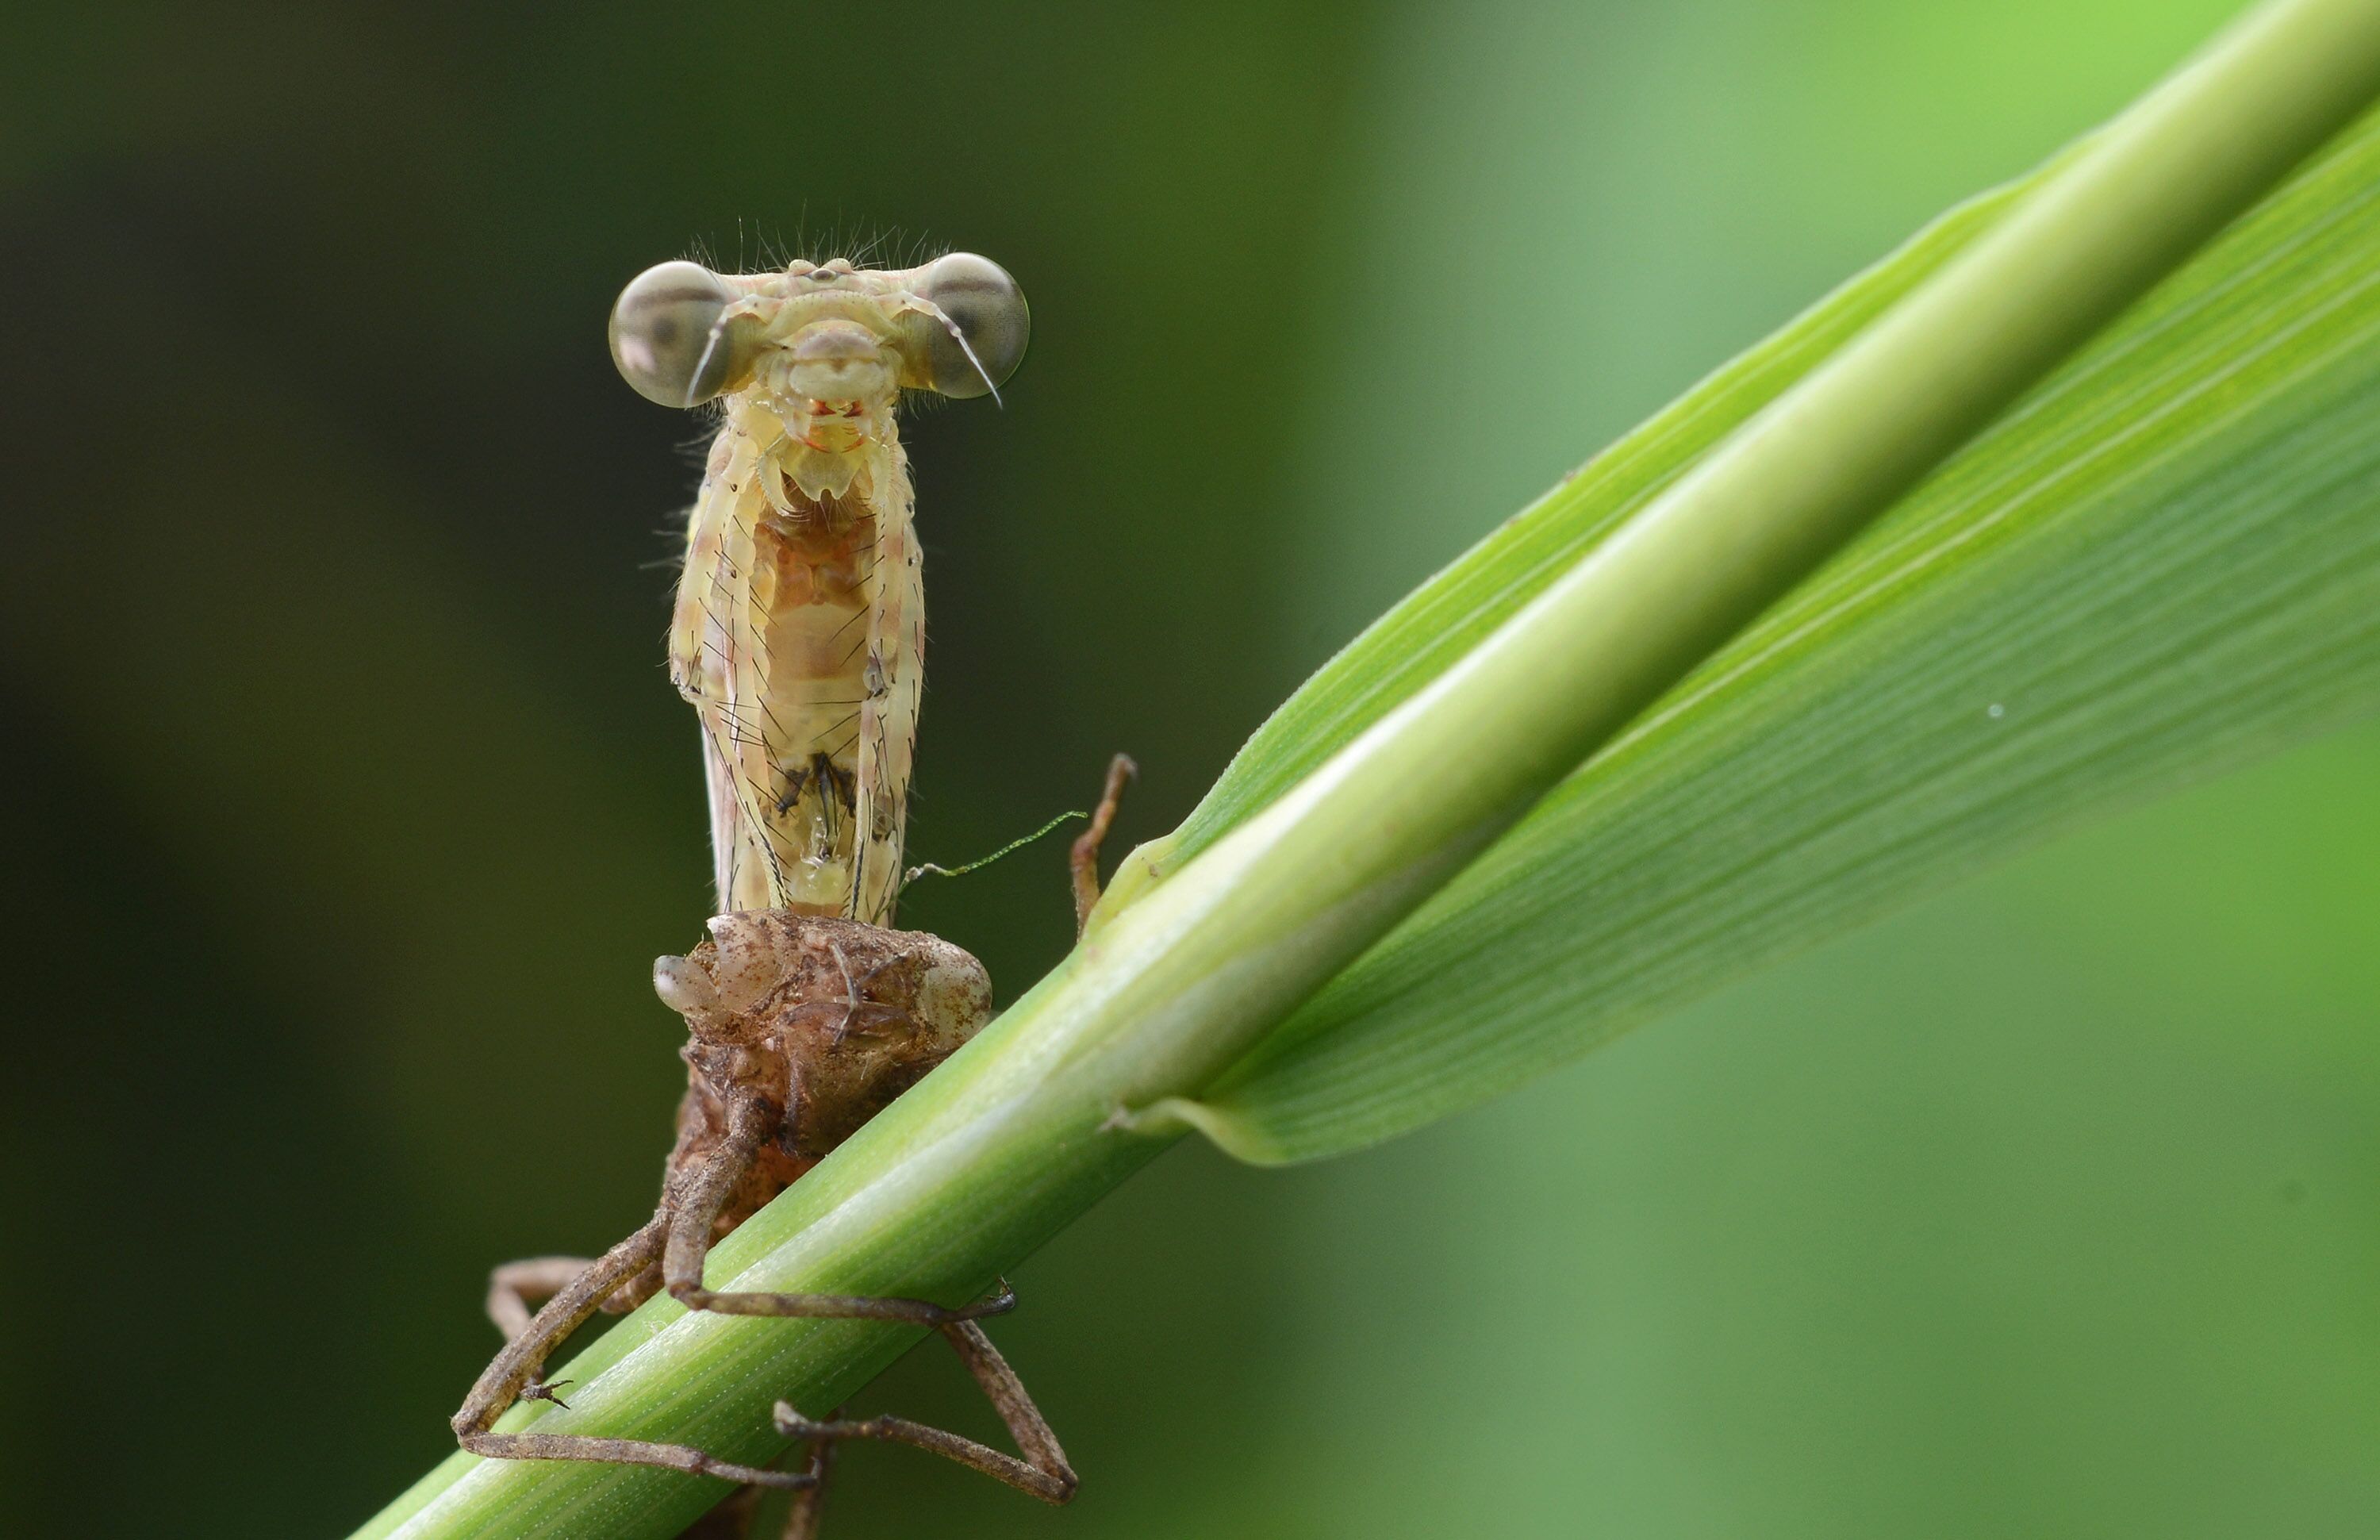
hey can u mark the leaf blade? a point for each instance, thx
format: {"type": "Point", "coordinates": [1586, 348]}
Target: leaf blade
{"type": "Point", "coordinates": [2166, 555]}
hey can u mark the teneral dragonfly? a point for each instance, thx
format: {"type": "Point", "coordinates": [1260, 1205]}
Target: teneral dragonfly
{"type": "Point", "coordinates": [799, 629]}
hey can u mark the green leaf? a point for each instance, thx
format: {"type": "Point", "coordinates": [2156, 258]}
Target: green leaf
{"type": "Point", "coordinates": [2165, 561]}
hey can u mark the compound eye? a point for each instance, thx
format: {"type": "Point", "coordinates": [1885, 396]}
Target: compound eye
{"type": "Point", "coordinates": [668, 338]}
{"type": "Point", "coordinates": [987, 307]}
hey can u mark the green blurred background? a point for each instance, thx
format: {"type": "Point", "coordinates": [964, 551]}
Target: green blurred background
{"type": "Point", "coordinates": [349, 802]}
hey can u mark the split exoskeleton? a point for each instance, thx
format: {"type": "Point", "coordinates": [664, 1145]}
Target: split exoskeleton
{"type": "Point", "coordinates": [798, 637]}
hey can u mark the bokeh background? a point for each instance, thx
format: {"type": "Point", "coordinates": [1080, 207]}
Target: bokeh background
{"type": "Point", "coordinates": [348, 801]}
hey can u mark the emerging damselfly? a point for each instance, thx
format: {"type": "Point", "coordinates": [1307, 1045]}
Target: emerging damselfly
{"type": "Point", "coordinates": [799, 636]}
{"type": "Point", "coordinates": [799, 632]}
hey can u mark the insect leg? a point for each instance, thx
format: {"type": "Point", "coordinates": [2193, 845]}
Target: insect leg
{"type": "Point", "coordinates": [752, 1120]}
{"type": "Point", "coordinates": [1044, 1472]}
{"type": "Point", "coordinates": [511, 1287]}
{"type": "Point", "coordinates": [1085, 859]}
{"type": "Point", "coordinates": [514, 1374]}
{"type": "Point", "coordinates": [802, 1519]}
{"type": "Point", "coordinates": [515, 1286]}
{"type": "Point", "coordinates": [741, 1517]}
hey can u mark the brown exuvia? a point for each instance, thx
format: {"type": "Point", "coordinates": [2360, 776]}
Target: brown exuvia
{"type": "Point", "coordinates": [800, 1028]}
{"type": "Point", "coordinates": [827, 1020]}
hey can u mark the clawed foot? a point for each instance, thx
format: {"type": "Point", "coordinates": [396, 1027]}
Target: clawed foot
{"type": "Point", "coordinates": [1000, 1302]}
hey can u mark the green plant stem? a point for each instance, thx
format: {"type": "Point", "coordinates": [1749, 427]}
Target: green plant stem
{"type": "Point", "coordinates": [1020, 1131]}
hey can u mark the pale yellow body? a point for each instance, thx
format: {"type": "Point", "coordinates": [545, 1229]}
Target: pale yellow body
{"type": "Point", "coordinates": [799, 631]}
